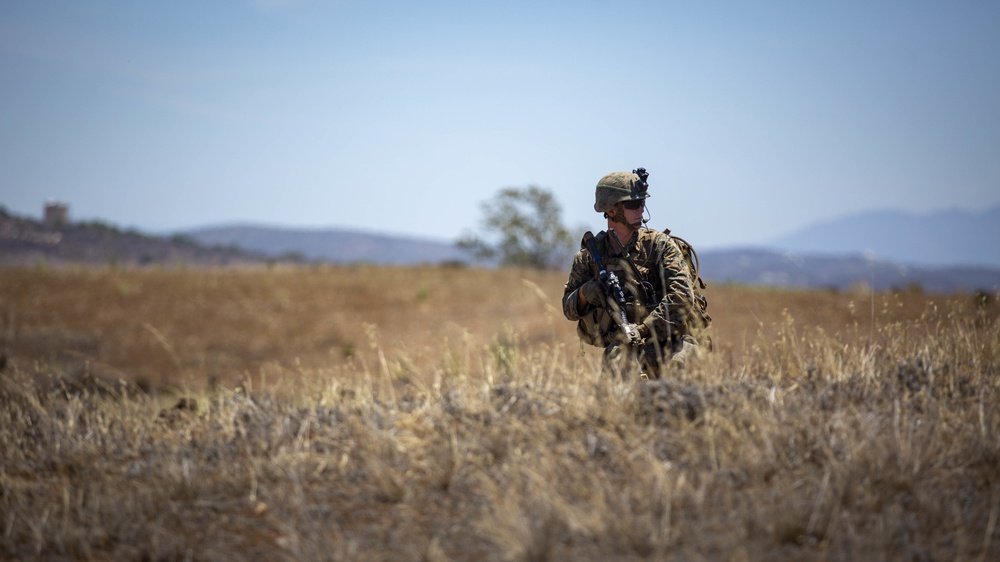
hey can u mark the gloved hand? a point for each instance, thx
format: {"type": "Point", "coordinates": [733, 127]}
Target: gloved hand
{"type": "Point", "coordinates": [629, 336]}
{"type": "Point", "coordinates": [635, 336]}
{"type": "Point", "coordinates": [593, 292]}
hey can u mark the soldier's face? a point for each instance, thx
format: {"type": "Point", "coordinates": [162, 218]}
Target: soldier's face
{"type": "Point", "coordinates": [633, 216]}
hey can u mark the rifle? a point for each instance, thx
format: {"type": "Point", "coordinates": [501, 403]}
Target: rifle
{"type": "Point", "coordinates": [613, 289]}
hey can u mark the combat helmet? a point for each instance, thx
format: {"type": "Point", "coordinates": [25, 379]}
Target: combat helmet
{"type": "Point", "coordinates": [620, 186]}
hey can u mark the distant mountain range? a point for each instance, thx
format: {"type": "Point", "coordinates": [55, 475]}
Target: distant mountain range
{"type": "Point", "coordinates": [794, 263]}
{"type": "Point", "coordinates": [752, 266]}
{"type": "Point", "coordinates": [949, 251]}
{"type": "Point", "coordinates": [946, 238]}
{"type": "Point", "coordinates": [330, 245]}
{"type": "Point", "coordinates": [942, 252]}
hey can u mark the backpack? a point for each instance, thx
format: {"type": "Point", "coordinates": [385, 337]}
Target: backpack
{"type": "Point", "coordinates": [698, 284]}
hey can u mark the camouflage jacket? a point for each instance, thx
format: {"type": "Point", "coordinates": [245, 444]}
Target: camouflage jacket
{"type": "Point", "coordinates": [669, 311]}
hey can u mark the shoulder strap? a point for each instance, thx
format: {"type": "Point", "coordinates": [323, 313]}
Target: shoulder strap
{"type": "Point", "coordinates": [691, 257]}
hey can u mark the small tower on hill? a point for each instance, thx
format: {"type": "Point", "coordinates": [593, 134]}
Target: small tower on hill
{"type": "Point", "coordinates": [56, 213]}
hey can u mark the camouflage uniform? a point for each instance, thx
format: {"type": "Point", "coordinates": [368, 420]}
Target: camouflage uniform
{"type": "Point", "coordinates": [661, 297]}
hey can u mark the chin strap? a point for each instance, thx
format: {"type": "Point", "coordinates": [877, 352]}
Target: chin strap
{"type": "Point", "coordinates": [619, 218]}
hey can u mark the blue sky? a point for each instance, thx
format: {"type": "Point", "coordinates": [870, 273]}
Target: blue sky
{"type": "Point", "coordinates": [753, 118]}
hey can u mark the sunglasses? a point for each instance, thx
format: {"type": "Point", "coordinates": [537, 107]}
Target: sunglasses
{"type": "Point", "coordinates": [633, 204]}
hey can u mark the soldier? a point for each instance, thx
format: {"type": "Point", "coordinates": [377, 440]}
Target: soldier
{"type": "Point", "coordinates": [664, 316]}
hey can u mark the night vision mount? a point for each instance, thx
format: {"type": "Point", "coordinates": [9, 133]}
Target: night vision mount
{"type": "Point", "coordinates": [641, 186]}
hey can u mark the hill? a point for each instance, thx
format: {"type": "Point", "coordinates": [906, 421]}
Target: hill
{"type": "Point", "coordinates": [330, 245]}
{"type": "Point", "coordinates": [25, 241]}
{"type": "Point", "coordinates": [754, 266]}
{"type": "Point", "coordinates": [945, 238]}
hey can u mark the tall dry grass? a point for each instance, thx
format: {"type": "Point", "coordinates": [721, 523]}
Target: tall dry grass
{"type": "Point", "coordinates": [440, 414]}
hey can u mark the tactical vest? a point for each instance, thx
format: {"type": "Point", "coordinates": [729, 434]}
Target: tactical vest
{"type": "Point", "coordinates": [643, 286]}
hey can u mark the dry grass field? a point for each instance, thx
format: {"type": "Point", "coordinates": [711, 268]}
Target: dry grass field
{"type": "Point", "coordinates": [375, 413]}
